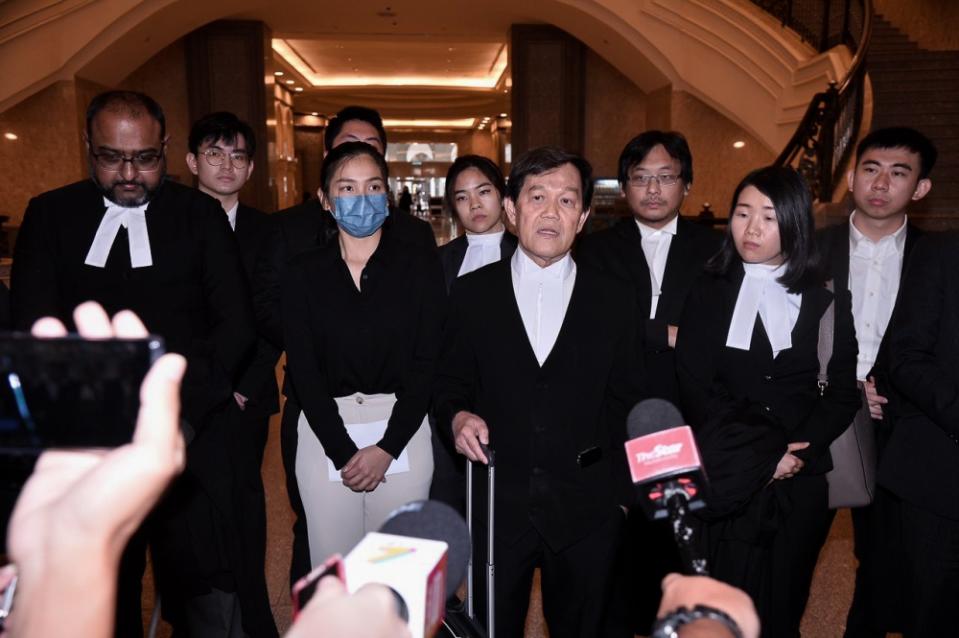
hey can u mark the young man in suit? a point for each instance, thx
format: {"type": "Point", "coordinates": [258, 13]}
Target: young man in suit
{"type": "Point", "coordinates": [867, 256]}
{"type": "Point", "coordinates": [129, 239]}
{"type": "Point", "coordinates": [660, 255]}
{"type": "Point", "coordinates": [920, 463]}
{"type": "Point", "coordinates": [541, 360]}
{"type": "Point", "coordinates": [294, 231]}
{"type": "Point", "coordinates": [221, 154]}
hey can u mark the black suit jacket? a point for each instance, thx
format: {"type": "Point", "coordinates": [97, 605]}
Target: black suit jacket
{"type": "Point", "coordinates": [618, 251]}
{"type": "Point", "coordinates": [719, 383]}
{"type": "Point", "coordinates": [542, 418]}
{"type": "Point", "coordinates": [194, 295]}
{"type": "Point", "coordinates": [296, 230]}
{"type": "Point", "coordinates": [921, 461]}
{"type": "Point", "coordinates": [453, 253]}
{"type": "Point", "coordinates": [258, 379]}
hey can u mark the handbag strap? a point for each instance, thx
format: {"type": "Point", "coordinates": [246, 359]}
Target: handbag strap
{"type": "Point", "coordinates": [827, 326]}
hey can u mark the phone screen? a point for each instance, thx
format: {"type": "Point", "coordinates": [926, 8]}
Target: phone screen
{"type": "Point", "coordinates": [70, 392]}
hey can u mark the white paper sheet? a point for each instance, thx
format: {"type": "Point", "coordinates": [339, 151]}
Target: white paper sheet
{"type": "Point", "coordinates": [364, 435]}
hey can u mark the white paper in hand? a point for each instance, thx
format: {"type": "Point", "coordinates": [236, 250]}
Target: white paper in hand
{"type": "Point", "coordinates": [364, 435]}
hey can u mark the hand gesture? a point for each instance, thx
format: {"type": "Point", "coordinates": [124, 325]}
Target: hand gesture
{"type": "Point", "coordinates": [469, 431]}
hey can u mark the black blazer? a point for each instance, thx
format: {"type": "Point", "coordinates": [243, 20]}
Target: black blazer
{"type": "Point", "coordinates": [296, 230]}
{"type": "Point", "coordinates": [619, 252]}
{"type": "Point", "coordinates": [720, 383]}
{"type": "Point", "coordinates": [195, 295]}
{"type": "Point", "coordinates": [258, 380]}
{"type": "Point", "coordinates": [921, 461]}
{"type": "Point", "coordinates": [542, 418]}
{"type": "Point", "coordinates": [453, 253]}
{"type": "Point", "coordinates": [833, 242]}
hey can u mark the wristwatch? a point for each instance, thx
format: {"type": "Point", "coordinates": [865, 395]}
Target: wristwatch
{"type": "Point", "coordinates": [668, 626]}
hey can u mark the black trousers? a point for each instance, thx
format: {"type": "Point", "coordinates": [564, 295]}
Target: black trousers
{"type": "Point", "coordinates": [931, 546]}
{"type": "Point", "coordinates": [576, 581]}
{"type": "Point", "coordinates": [877, 600]}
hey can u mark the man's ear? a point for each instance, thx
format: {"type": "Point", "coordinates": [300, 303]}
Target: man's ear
{"type": "Point", "coordinates": [191, 163]}
{"type": "Point", "coordinates": [582, 220]}
{"type": "Point", "coordinates": [922, 189]}
{"type": "Point", "coordinates": [510, 209]}
{"type": "Point", "coordinates": [850, 178]}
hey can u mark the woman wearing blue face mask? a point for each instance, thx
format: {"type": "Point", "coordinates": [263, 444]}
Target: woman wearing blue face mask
{"type": "Point", "coordinates": [362, 315]}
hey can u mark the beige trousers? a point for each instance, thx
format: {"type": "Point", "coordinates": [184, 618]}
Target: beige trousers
{"type": "Point", "coordinates": [336, 516]}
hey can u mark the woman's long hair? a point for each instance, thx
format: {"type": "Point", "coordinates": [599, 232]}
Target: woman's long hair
{"type": "Point", "coordinates": [792, 200]}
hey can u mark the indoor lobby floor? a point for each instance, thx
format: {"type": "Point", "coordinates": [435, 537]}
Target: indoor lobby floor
{"type": "Point", "coordinates": [825, 614]}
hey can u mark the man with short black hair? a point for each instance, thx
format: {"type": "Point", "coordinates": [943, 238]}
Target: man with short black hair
{"type": "Point", "coordinates": [659, 254]}
{"type": "Point", "coordinates": [867, 256]}
{"type": "Point", "coordinates": [541, 360]}
{"type": "Point", "coordinates": [129, 239]}
{"type": "Point", "coordinates": [221, 150]}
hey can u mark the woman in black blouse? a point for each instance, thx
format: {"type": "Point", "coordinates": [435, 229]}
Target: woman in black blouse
{"type": "Point", "coordinates": [748, 364]}
{"type": "Point", "coordinates": [362, 316]}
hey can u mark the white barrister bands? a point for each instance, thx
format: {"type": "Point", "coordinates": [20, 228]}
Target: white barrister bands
{"type": "Point", "coordinates": [481, 250]}
{"type": "Point", "coordinates": [135, 221]}
{"type": "Point", "coordinates": [656, 243]}
{"type": "Point", "coordinates": [777, 308]}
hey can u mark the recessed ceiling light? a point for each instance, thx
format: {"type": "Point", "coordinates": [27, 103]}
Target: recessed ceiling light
{"type": "Point", "coordinates": [298, 89]}
{"type": "Point", "coordinates": [291, 81]}
{"type": "Point", "coordinates": [739, 144]}
{"type": "Point", "coordinates": [504, 114]}
{"type": "Point", "coordinates": [10, 136]}
{"type": "Point", "coordinates": [315, 114]}
{"type": "Point", "coordinates": [278, 73]}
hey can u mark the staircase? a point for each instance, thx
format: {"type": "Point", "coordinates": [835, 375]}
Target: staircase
{"type": "Point", "coordinates": [919, 88]}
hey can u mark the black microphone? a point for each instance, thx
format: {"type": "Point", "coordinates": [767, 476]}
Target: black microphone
{"type": "Point", "coordinates": [666, 468]}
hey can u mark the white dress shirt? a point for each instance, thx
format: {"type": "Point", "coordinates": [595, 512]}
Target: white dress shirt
{"type": "Point", "coordinates": [135, 221]}
{"type": "Point", "coordinates": [656, 242]}
{"type": "Point", "coordinates": [542, 295]}
{"type": "Point", "coordinates": [231, 215]}
{"type": "Point", "coordinates": [778, 309]}
{"type": "Point", "coordinates": [874, 272]}
{"type": "Point", "coordinates": [481, 250]}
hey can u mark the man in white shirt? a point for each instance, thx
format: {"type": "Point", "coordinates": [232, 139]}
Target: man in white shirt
{"type": "Point", "coordinates": [868, 254]}
{"type": "Point", "coordinates": [542, 361]}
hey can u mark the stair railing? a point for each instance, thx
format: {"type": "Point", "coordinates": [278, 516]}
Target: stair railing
{"type": "Point", "coordinates": [826, 135]}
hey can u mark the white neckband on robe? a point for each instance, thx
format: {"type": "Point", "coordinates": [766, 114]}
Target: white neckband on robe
{"type": "Point", "coordinates": [135, 221]}
{"type": "Point", "coordinates": [481, 250]}
{"type": "Point", "coordinates": [777, 308]}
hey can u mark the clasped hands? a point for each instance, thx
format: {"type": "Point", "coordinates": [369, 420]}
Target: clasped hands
{"type": "Point", "coordinates": [366, 469]}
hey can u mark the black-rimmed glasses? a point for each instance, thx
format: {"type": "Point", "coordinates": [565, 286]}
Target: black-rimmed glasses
{"type": "Point", "coordinates": [143, 162]}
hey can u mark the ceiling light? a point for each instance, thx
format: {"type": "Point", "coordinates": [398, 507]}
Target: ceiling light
{"type": "Point", "coordinates": [278, 73]}
{"type": "Point", "coordinates": [467, 122]}
{"type": "Point", "coordinates": [504, 114]}
{"type": "Point", "coordinates": [10, 136]}
{"type": "Point", "coordinates": [291, 81]}
{"type": "Point", "coordinates": [315, 114]}
{"type": "Point", "coordinates": [739, 144]}
{"type": "Point", "coordinates": [298, 89]}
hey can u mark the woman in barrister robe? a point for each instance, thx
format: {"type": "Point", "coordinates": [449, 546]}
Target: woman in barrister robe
{"type": "Point", "coordinates": [748, 366]}
{"type": "Point", "coordinates": [362, 316]}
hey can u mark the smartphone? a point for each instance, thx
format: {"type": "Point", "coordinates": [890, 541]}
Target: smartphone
{"type": "Point", "coordinates": [70, 392]}
{"type": "Point", "coordinates": [304, 588]}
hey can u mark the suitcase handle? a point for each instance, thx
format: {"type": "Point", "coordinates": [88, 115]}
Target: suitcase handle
{"type": "Point", "coordinates": [491, 491]}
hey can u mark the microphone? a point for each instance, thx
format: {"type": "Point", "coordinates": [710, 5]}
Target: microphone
{"type": "Point", "coordinates": [666, 468]}
{"type": "Point", "coordinates": [420, 552]}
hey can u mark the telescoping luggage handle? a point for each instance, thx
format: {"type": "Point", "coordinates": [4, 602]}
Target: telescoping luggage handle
{"type": "Point", "coordinates": [491, 485]}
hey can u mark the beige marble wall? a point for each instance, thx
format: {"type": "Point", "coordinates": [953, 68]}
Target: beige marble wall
{"type": "Point", "coordinates": [47, 152]}
{"type": "Point", "coordinates": [615, 113]}
{"type": "Point", "coordinates": [931, 23]}
{"type": "Point", "coordinates": [717, 166]}
{"type": "Point", "coordinates": [163, 77]}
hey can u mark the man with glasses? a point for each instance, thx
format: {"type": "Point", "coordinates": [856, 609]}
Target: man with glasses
{"type": "Point", "coordinates": [130, 239]}
{"type": "Point", "coordinates": [660, 255]}
{"type": "Point", "coordinates": [221, 151]}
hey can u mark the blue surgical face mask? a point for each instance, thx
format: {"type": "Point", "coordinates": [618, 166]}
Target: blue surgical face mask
{"type": "Point", "coordinates": [360, 215]}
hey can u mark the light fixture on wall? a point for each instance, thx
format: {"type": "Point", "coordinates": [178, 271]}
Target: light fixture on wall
{"type": "Point", "coordinates": [10, 136]}
{"type": "Point", "coordinates": [739, 144]}
{"type": "Point", "coordinates": [298, 89]}
{"type": "Point", "coordinates": [291, 81]}
{"type": "Point", "coordinates": [278, 73]}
